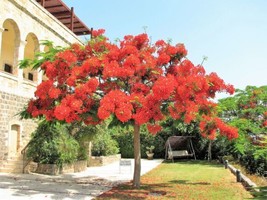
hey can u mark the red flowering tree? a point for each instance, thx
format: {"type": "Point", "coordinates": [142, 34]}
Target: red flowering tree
{"type": "Point", "coordinates": [136, 82]}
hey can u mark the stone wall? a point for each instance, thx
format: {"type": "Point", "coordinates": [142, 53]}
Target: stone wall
{"type": "Point", "coordinates": [27, 17]}
{"type": "Point", "coordinates": [103, 160]}
{"type": "Point", "coordinates": [53, 169]}
{"type": "Point", "coordinates": [10, 106]}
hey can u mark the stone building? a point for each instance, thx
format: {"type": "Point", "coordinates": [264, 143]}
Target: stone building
{"type": "Point", "coordinates": [23, 24]}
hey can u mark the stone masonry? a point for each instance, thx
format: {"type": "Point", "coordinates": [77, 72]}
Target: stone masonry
{"type": "Point", "coordinates": [27, 17]}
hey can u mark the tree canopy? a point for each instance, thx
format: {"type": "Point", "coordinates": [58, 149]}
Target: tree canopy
{"type": "Point", "coordinates": [134, 81]}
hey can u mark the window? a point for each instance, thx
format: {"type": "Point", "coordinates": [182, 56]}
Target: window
{"type": "Point", "coordinates": [30, 76]}
{"type": "Point", "coordinates": [8, 68]}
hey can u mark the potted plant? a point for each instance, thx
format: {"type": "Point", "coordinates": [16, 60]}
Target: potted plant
{"type": "Point", "coordinates": [149, 152]}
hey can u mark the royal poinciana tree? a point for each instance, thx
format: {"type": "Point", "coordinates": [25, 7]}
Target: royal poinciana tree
{"type": "Point", "coordinates": [136, 82]}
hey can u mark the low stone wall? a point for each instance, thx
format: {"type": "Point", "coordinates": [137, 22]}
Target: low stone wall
{"type": "Point", "coordinates": [53, 169]}
{"type": "Point", "coordinates": [50, 169]}
{"type": "Point", "coordinates": [245, 180]}
{"type": "Point", "coordinates": [80, 166]}
{"type": "Point", "coordinates": [250, 185]}
{"type": "Point", "coordinates": [102, 160]}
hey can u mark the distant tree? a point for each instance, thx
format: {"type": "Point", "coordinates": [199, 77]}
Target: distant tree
{"type": "Point", "coordinates": [136, 82]}
{"type": "Point", "coordinates": [247, 111]}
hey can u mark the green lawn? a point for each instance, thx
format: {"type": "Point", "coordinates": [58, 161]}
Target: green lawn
{"type": "Point", "coordinates": [198, 180]}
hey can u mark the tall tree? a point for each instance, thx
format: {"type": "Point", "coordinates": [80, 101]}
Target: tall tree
{"type": "Point", "coordinates": [135, 81]}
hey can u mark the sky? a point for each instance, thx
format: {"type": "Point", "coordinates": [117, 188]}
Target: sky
{"type": "Point", "coordinates": [231, 33]}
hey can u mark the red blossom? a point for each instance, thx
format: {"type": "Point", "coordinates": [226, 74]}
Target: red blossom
{"type": "Point", "coordinates": [54, 93]}
{"type": "Point", "coordinates": [163, 59]}
{"type": "Point", "coordinates": [98, 32]}
{"type": "Point", "coordinates": [68, 56]}
{"type": "Point", "coordinates": [154, 128]}
{"type": "Point", "coordinates": [61, 112]}
{"type": "Point", "coordinates": [164, 87]}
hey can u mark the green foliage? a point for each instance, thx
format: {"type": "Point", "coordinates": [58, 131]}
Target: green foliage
{"type": "Point", "coordinates": [261, 194]}
{"type": "Point", "coordinates": [125, 142]}
{"type": "Point", "coordinates": [124, 138]}
{"type": "Point", "coordinates": [104, 145]}
{"type": "Point", "coordinates": [178, 127]}
{"type": "Point", "coordinates": [246, 111]}
{"type": "Point", "coordinates": [83, 135]}
{"type": "Point", "coordinates": [52, 144]}
{"type": "Point", "coordinates": [150, 149]}
{"type": "Point", "coordinates": [41, 57]}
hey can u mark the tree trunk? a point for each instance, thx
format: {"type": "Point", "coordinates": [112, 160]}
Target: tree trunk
{"type": "Point", "coordinates": [137, 157]}
{"type": "Point", "coordinates": [209, 151]}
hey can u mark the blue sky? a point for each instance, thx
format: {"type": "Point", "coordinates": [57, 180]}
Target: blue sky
{"type": "Point", "coordinates": [231, 33]}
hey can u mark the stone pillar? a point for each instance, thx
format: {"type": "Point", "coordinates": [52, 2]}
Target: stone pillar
{"type": "Point", "coordinates": [40, 72]}
{"type": "Point", "coordinates": [226, 164]}
{"type": "Point", "coordinates": [238, 176]}
{"type": "Point", "coordinates": [20, 56]}
{"type": "Point", "coordinates": [1, 36]}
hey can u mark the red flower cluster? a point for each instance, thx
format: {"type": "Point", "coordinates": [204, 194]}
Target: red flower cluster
{"type": "Point", "coordinates": [210, 125]}
{"type": "Point", "coordinates": [115, 102]}
{"type": "Point", "coordinates": [98, 32]}
{"type": "Point", "coordinates": [69, 109]}
{"type": "Point", "coordinates": [154, 128]}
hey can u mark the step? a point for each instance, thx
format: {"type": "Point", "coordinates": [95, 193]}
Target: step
{"type": "Point", "coordinates": [8, 170]}
{"type": "Point", "coordinates": [16, 157]}
{"type": "Point", "coordinates": [8, 165]}
{"type": "Point", "coordinates": [14, 162]}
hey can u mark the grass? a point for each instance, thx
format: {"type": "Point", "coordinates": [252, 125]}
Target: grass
{"type": "Point", "coordinates": [198, 180]}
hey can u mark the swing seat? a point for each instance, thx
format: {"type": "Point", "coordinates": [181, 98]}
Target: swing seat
{"type": "Point", "coordinates": [179, 146]}
{"type": "Point", "coordinates": [181, 153]}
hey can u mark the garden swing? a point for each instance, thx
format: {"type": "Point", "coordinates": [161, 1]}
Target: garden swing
{"type": "Point", "coordinates": [179, 147]}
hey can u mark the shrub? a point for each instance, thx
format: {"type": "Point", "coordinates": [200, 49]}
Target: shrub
{"type": "Point", "coordinates": [104, 145]}
{"type": "Point", "coordinates": [52, 144]}
{"type": "Point", "coordinates": [83, 135]}
{"type": "Point", "coordinates": [125, 142]}
{"type": "Point", "coordinates": [254, 166]}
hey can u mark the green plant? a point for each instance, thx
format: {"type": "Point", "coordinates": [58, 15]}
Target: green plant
{"type": "Point", "coordinates": [52, 144]}
{"type": "Point", "coordinates": [125, 142]}
{"type": "Point", "coordinates": [150, 149]}
{"type": "Point", "coordinates": [84, 135]}
{"type": "Point", "coordinates": [259, 193]}
{"type": "Point", "coordinates": [104, 145]}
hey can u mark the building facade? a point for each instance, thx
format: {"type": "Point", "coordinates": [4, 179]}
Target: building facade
{"type": "Point", "coordinates": [23, 25]}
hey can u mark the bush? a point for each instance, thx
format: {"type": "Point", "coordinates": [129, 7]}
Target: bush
{"type": "Point", "coordinates": [104, 145]}
{"type": "Point", "coordinates": [52, 144]}
{"type": "Point", "coordinates": [254, 166]}
{"type": "Point", "coordinates": [125, 142]}
{"type": "Point", "coordinates": [84, 134]}
{"type": "Point", "coordinates": [147, 140]}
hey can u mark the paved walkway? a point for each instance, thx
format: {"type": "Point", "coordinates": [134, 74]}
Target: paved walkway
{"type": "Point", "coordinates": [84, 185]}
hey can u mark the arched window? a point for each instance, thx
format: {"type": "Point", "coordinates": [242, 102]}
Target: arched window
{"type": "Point", "coordinates": [10, 40]}
{"type": "Point", "coordinates": [31, 48]}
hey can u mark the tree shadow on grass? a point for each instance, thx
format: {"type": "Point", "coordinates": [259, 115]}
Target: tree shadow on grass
{"type": "Point", "coordinates": [194, 162]}
{"type": "Point", "coordinates": [127, 191]}
{"type": "Point", "coordinates": [186, 182]}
